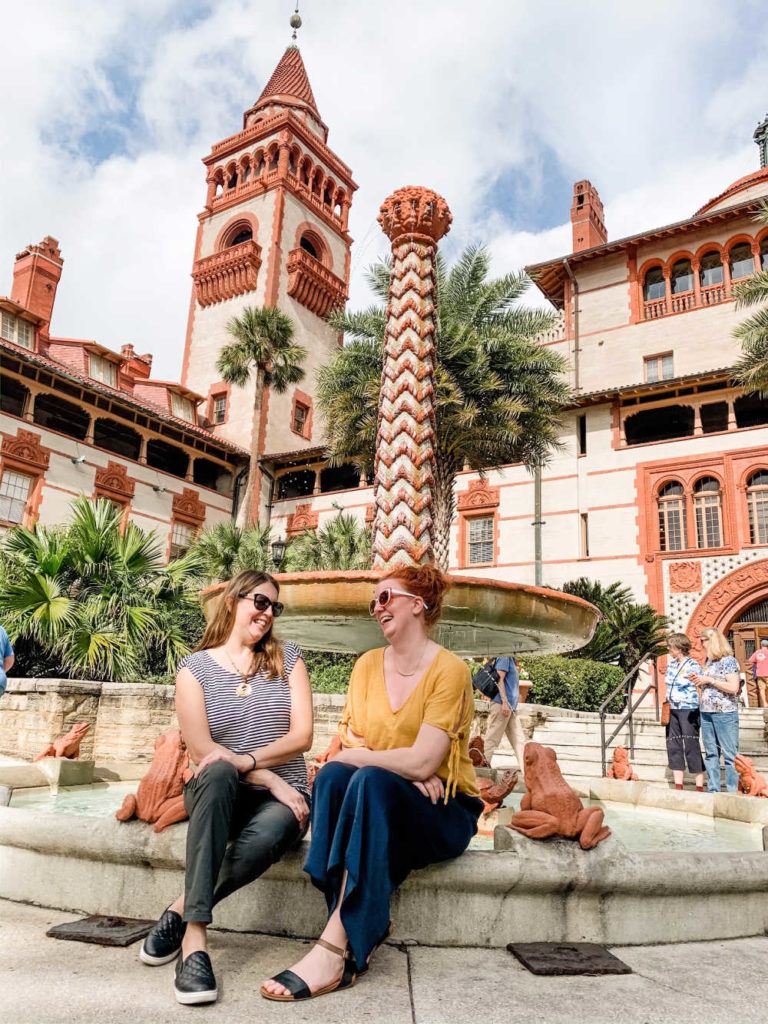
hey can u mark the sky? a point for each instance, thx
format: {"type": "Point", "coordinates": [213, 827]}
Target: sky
{"type": "Point", "coordinates": [499, 105]}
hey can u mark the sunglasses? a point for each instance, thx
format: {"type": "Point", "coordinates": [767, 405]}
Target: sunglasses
{"type": "Point", "coordinates": [386, 596]}
{"type": "Point", "coordinates": [261, 603]}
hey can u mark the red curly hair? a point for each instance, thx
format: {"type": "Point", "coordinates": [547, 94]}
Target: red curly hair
{"type": "Point", "coordinates": [424, 581]}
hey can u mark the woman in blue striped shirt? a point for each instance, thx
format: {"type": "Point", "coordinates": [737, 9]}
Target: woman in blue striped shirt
{"type": "Point", "coordinates": [244, 706]}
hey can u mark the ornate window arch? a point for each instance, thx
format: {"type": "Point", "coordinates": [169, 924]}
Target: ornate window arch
{"type": "Point", "coordinates": [681, 275]}
{"type": "Point", "coordinates": [757, 506]}
{"type": "Point", "coordinates": [309, 238]}
{"type": "Point", "coordinates": [708, 512]}
{"type": "Point", "coordinates": [242, 228]}
{"type": "Point", "coordinates": [670, 500]}
{"type": "Point", "coordinates": [654, 283]}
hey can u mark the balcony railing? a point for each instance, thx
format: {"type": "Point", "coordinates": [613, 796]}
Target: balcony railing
{"type": "Point", "coordinates": [312, 284]}
{"type": "Point", "coordinates": [227, 273]}
{"type": "Point", "coordinates": [711, 295]}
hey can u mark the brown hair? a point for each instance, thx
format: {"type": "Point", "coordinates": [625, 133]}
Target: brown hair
{"type": "Point", "coordinates": [268, 652]}
{"type": "Point", "coordinates": [680, 641]}
{"type": "Point", "coordinates": [717, 645]}
{"type": "Point", "coordinates": [426, 582]}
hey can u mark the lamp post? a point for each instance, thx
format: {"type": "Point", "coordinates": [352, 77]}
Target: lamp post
{"type": "Point", "coordinates": [278, 553]}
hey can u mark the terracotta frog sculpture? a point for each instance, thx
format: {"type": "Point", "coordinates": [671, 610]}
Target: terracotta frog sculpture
{"type": "Point", "coordinates": [550, 807]}
{"type": "Point", "coordinates": [620, 766]}
{"type": "Point", "coordinates": [751, 781]}
{"type": "Point", "coordinates": [477, 752]}
{"type": "Point", "coordinates": [159, 797]}
{"type": "Point", "coordinates": [493, 793]}
{"type": "Point", "coordinates": [67, 745]}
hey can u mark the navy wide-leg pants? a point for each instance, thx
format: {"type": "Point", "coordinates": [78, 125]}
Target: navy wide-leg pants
{"type": "Point", "coordinates": [378, 827]}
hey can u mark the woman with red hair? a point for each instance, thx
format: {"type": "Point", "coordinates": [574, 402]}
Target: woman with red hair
{"type": "Point", "coordinates": [401, 794]}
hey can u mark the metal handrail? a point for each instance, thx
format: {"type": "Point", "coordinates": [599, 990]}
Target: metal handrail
{"type": "Point", "coordinates": [625, 686]}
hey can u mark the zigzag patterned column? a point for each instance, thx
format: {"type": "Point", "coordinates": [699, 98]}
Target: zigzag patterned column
{"type": "Point", "coordinates": [414, 219]}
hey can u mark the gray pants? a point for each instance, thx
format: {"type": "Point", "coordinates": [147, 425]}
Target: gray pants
{"type": "Point", "coordinates": [221, 808]}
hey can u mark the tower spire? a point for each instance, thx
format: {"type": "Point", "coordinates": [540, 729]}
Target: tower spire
{"type": "Point", "coordinates": [761, 138]}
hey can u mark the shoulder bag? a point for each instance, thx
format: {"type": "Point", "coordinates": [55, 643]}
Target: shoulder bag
{"type": "Point", "coordinates": [486, 680]}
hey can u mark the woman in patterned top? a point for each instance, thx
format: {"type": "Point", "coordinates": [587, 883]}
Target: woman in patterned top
{"type": "Point", "coordinates": [244, 705]}
{"type": "Point", "coordinates": [719, 686]}
{"type": "Point", "coordinates": [684, 720]}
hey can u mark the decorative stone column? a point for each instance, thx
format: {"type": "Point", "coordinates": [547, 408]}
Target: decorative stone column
{"type": "Point", "coordinates": [414, 219]}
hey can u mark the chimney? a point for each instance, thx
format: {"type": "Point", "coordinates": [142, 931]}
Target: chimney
{"type": "Point", "coordinates": [36, 275]}
{"type": "Point", "coordinates": [587, 217]}
{"type": "Point", "coordinates": [137, 366]}
{"type": "Point", "coordinates": [761, 139]}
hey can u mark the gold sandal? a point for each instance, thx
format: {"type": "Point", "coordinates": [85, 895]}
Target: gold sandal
{"type": "Point", "coordinates": [298, 988]}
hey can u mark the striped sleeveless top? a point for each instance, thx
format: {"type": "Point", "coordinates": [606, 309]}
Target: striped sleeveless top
{"type": "Point", "coordinates": [243, 724]}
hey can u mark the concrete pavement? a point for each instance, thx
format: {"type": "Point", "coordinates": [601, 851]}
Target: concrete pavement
{"type": "Point", "coordinates": [47, 981]}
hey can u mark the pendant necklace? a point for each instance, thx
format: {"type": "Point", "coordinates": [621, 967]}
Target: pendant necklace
{"type": "Point", "coordinates": [244, 688]}
{"type": "Point", "coordinates": [408, 675]}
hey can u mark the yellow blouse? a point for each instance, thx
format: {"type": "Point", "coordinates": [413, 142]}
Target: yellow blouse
{"type": "Point", "coordinates": [442, 697]}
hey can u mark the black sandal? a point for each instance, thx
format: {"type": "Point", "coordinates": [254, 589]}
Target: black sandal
{"type": "Point", "coordinates": [298, 988]}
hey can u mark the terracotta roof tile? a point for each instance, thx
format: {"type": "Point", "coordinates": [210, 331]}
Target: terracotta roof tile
{"type": "Point", "coordinates": [290, 79]}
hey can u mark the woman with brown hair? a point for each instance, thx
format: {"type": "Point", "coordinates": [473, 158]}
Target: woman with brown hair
{"type": "Point", "coordinates": [400, 795]}
{"type": "Point", "coordinates": [244, 706]}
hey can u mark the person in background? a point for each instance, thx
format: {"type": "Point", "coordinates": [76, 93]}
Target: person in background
{"type": "Point", "coordinates": [719, 686]}
{"type": "Point", "coordinates": [684, 724]}
{"type": "Point", "coordinates": [757, 675]}
{"type": "Point", "coordinates": [502, 718]}
{"type": "Point", "coordinates": [7, 659]}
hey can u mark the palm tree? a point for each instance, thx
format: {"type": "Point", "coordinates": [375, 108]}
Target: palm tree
{"type": "Point", "coordinates": [341, 543]}
{"type": "Point", "coordinates": [752, 369]}
{"type": "Point", "coordinates": [498, 392]}
{"type": "Point", "coordinates": [627, 630]}
{"type": "Point", "coordinates": [263, 347]}
{"type": "Point", "coordinates": [98, 601]}
{"type": "Point", "coordinates": [226, 549]}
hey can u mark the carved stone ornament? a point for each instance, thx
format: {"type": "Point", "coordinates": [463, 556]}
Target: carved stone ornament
{"type": "Point", "coordinates": [188, 508]}
{"type": "Point", "coordinates": [729, 597]}
{"type": "Point", "coordinates": [25, 451]}
{"type": "Point", "coordinates": [478, 496]}
{"type": "Point", "coordinates": [112, 481]}
{"type": "Point", "coordinates": [685, 577]}
{"type": "Point", "coordinates": [301, 520]}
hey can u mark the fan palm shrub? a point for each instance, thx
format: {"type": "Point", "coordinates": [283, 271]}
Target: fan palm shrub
{"type": "Point", "coordinates": [498, 393]}
{"type": "Point", "coordinates": [341, 543]}
{"type": "Point", "coordinates": [92, 600]}
{"type": "Point", "coordinates": [226, 549]}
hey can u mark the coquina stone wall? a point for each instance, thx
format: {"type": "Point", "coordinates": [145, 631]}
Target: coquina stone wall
{"type": "Point", "coordinates": [125, 718]}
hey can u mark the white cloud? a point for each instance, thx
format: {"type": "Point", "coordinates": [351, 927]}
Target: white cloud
{"type": "Point", "coordinates": [654, 105]}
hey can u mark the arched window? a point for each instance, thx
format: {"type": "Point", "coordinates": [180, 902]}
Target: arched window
{"type": "Point", "coordinates": [711, 270]}
{"type": "Point", "coordinates": [681, 277]}
{"type": "Point", "coordinates": [672, 535]}
{"type": "Point", "coordinates": [232, 177]}
{"type": "Point", "coordinates": [707, 506]}
{"type": "Point", "coordinates": [273, 158]}
{"type": "Point", "coordinates": [741, 261]}
{"type": "Point", "coordinates": [258, 165]}
{"type": "Point", "coordinates": [757, 504]}
{"type": "Point", "coordinates": [309, 246]}
{"type": "Point", "coordinates": [764, 254]}
{"type": "Point", "coordinates": [243, 235]}
{"type": "Point", "coordinates": [654, 287]}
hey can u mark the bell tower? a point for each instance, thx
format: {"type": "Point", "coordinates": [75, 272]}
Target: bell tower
{"type": "Point", "coordinates": [273, 233]}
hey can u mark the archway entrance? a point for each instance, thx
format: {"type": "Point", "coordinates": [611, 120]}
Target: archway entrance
{"type": "Point", "coordinates": [748, 630]}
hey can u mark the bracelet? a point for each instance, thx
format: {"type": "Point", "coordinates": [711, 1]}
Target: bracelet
{"type": "Point", "coordinates": [253, 768]}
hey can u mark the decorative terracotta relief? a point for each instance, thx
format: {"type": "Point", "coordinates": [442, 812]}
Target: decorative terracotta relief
{"type": "Point", "coordinates": [301, 520]}
{"type": "Point", "coordinates": [24, 452]}
{"type": "Point", "coordinates": [478, 496]}
{"type": "Point", "coordinates": [159, 798]}
{"type": "Point", "coordinates": [312, 284]}
{"type": "Point", "coordinates": [751, 782]}
{"type": "Point", "coordinates": [67, 745]}
{"type": "Point", "coordinates": [620, 766]}
{"type": "Point", "coordinates": [550, 807]}
{"type": "Point", "coordinates": [113, 482]}
{"type": "Point", "coordinates": [493, 793]}
{"type": "Point", "coordinates": [188, 508]}
{"type": "Point", "coordinates": [730, 596]}
{"type": "Point", "coordinates": [227, 273]}
{"type": "Point", "coordinates": [370, 514]}
{"type": "Point", "coordinates": [414, 219]}
{"type": "Point", "coordinates": [685, 577]}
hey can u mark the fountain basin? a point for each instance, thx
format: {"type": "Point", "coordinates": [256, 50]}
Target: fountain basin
{"type": "Point", "coordinates": [328, 611]}
{"type": "Point", "coordinates": [526, 891]}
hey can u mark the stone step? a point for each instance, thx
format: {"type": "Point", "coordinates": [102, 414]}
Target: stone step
{"type": "Point", "coordinates": [642, 755]}
{"type": "Point", "coordinates": [746, 725]}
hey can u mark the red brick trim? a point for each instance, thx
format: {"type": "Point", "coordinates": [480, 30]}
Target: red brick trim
{"type": "Point", "coordinates": [478, 501]}
{"type": "Point", "coordinates": [302, 398]}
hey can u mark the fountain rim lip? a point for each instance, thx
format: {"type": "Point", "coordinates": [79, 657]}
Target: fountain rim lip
{"type": "Point", "coordinates": [374, 575]}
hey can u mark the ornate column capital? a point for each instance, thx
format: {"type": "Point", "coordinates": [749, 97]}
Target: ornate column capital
{"type": "Point", "coordinates": [415, 213]}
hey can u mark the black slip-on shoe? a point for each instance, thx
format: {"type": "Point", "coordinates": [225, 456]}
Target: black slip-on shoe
{"type": "Point", "coordinates": [195, 981]}
{"type": "Point", "coordinates": [163, 943]}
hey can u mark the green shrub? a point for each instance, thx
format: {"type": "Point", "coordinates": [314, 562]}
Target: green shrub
{"type": "Point", "coordinates": [329, 673]}
{"type": "Point", "coordinates": [574, 683]}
